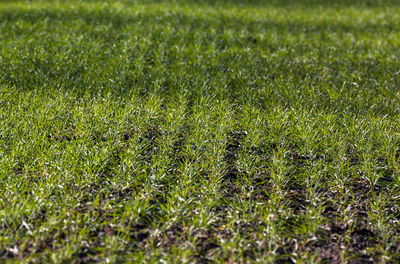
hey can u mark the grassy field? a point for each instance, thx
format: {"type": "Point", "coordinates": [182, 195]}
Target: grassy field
{"type": "Point", "coordinates": [200, 131]}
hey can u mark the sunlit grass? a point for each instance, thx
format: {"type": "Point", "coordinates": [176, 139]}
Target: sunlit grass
{"type": "Point", "coordinates": [195, 131]}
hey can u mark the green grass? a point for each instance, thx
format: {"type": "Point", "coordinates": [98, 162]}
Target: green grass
{"type": "Point", "coordinates": [195, 131]}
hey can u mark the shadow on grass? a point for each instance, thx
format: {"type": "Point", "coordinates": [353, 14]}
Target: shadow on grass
{"type": "Point", "coordinates": [104, 16]}
{"type": "Point", "coordinates": [277, 3]}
